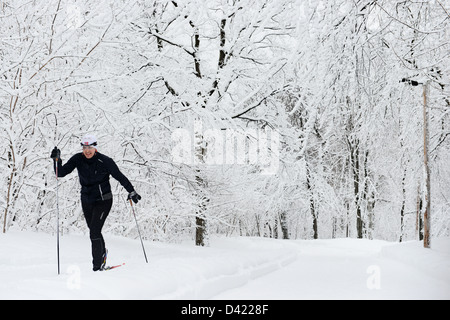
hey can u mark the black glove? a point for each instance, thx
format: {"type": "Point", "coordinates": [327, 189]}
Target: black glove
{"type": "Point", "coordinates": [56, 154]}
{"type": "Point", "coordinates": [134, 196]}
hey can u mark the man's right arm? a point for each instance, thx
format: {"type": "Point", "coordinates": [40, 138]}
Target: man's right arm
{"type": "Point", "coordinates": [64, 170]}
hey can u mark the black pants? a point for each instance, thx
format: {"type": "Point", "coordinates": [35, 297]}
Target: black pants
{"type": "Point", "coordinates": [96, 214]}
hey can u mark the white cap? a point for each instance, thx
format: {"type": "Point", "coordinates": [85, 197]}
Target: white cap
{"type": "Point", "coordinates": [89, 140]}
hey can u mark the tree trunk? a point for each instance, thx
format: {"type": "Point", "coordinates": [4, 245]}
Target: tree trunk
{"type": "Point", "coordinates": [312, 206]}
{"type": "Point", "coordinates": [356, 182]}
{"type": "Point", "coordinates": [419, 220]}
{"type": "Point", "coordinates": [12, 162]}
{"type": "Point", "coordinates": [402, 210]}
{"type": "Point", "coordinates": [200, 231]}
{"type": "Point", "coordinates": [284, 225]}
{"type": "Point", "coordinates": [426, 216]}
{"type": "Point", "coordinates": [200, 219]}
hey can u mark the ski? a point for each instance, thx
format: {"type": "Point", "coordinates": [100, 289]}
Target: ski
{"type": "Point", "coordinates": [112, 267]}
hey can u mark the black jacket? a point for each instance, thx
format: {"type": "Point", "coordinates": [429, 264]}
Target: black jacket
{"type": "Point", "coordinates": [94, 175]}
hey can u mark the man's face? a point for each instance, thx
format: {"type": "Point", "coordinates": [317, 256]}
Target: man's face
{"type": "Point", "coordinates": [89, 151]}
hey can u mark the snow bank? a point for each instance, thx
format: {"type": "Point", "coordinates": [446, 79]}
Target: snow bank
{"type": "Point", "coordinates": [233, 265]}
{"type": "Point", "coordinates": [352, 269]}
{"type": "Point", "coordinates": [434, 262]}
{"type": "Point", "coordinates": [231, 268]}
{"type": "Point", "coordinates": [176, 271]}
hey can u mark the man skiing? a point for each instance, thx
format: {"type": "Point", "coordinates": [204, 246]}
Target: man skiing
{"type": "Point", "coordinates": [94, 170]}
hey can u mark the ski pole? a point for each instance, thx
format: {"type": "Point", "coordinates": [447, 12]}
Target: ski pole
{"type": "Point", "coordinates": [57, 215]}
{"type": "Point", "coordinates": [139, 232]}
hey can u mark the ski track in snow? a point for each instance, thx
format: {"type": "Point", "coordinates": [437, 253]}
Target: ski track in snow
{"type": "Point", "coordinates": [231, 268]}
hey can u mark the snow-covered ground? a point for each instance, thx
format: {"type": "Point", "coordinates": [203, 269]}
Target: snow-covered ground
{"type": "Point", "coordinates": [231, 268]}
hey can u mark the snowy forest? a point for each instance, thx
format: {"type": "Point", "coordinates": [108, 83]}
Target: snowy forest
{"type": "Point", "coordinates": [316, 109]}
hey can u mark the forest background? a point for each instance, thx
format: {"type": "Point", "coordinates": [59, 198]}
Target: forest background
{"type": "Point", "coordinates": [316, 109]}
